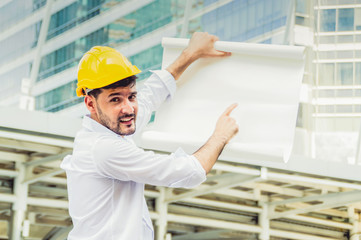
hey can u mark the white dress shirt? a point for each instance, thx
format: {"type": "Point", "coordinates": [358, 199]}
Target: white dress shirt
{"type": "Point", "coordinates": [106, 174]}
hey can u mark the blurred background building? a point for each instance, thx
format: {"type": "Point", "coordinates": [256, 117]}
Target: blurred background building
{"type": "Point", "coordinates": [41, 42]}
{"type": "Point", "coordinates": [38, 62]}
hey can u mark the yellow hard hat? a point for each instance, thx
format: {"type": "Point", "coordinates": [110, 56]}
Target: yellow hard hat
{"type": "Point", "coordinates": [102, 66]}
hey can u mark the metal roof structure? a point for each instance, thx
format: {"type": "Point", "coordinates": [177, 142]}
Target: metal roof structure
{"type": "Point", "coordinates": [302, 199]}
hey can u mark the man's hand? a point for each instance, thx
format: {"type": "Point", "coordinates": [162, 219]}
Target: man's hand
{"type": "Point", "coordinates": [226, 128]}
{"type": "Point", "coordinates": [201, 45]}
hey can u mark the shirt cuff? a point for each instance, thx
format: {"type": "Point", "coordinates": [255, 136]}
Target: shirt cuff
{"type": "Point", "coordinates": [199, 174]}
{"type": "Point", "coordinates": [168, 80]}
{"type": "Point", "coordinates": [196, 164]}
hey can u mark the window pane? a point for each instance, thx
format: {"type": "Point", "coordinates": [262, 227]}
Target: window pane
{"type": "Point", "coordinates": [345, 54]}
{"type": "Point", "coordinates": [326, 74]}
{"type": "Point", "coordinates": [61, 96]}
{"type": "Point", "coordinates": [345, 39]}
{"type": "Point", "coordinates": [326, 108]}
{"type": "Point", "coordinates": [344, 108]}
{"type": "Point", "coordinates": [328, 20]}
{"type": "Point", "coordinates": [301, 6]}
{"type": "Point", "coordinates": [346, 1]}
{"type": "Point", "coordinates": [344, 93]}
{"type": "Point", "coordinates": [329, 2]}
{"type": "Point", "coordinates": [358, 54]}
{"type": "Point", "coordinates": [344, 74]}
{"type": "Point", "coordinates": [327, 39]}
{"type": "Point", "coordinates": [358, 18]}
{"type": "Point", "coordinates": [358, 73]}
{"type": "Point", "coordinates": [326, 93]}
{"type": "Point", "coordinates": [327, 55]}
{"type": "Point", "coordinates": [357, 108]}
{"type": "Point", "coordinates": [301, 21]}
{"type": "Point", "coordinates": [345, 19]}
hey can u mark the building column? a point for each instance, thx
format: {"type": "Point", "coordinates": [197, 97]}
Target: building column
{"type": "Point", "coordinates": [27, 99]}
{"type": "Point", "coordinates": [162, 209]}
{"type": "Point", "coordinates": [20, 205]}
{"type": "Point", "coordinates": [41, 41]}
{"type": "Point", "coordinates": [354, 219]}
{"type": "Point", "coordinates": [187, 13]}
{"type": "Point", "coordinates": [289, 31]}
{"type": "Point", "coordinates": [264, 223]}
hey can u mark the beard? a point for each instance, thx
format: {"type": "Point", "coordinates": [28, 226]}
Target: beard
{"type": "Point", "coordinates": [116, 126]}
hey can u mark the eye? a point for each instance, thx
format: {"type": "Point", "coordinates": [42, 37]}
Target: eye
{"type": "Point", "coordinates": [133, 97]}
{"type": "Point", "coordinates": [114, 100]}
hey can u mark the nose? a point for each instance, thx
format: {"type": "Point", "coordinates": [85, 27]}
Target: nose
{"type": "Point", "coordinates": [127, 107]}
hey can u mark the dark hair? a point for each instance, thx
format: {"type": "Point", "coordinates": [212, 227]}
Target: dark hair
{"type": "Point", "coordinates": [126, 82]}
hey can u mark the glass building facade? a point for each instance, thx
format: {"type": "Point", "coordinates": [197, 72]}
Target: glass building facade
{"type": "Point", "coordinates": [328, 122]}
{"type": "Point", "coordinates": [338, 60]}
{"type": "Point", "coordinates": [330, 30]}
{"type": "Point", "coordinates": [230, 20]}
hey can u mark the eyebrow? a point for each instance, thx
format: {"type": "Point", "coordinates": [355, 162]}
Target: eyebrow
{"type": "Point", "coordinates": [117, 94]}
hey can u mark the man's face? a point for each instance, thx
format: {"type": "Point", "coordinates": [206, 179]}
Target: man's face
{"type": "Point", "coordinates": [117, 109]}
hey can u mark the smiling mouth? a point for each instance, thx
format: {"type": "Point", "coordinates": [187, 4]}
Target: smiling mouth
{"type": "Point", "coordinates": [127, 120]}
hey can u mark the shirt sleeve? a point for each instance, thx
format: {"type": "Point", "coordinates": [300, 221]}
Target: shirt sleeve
{"type": "Point", "coordinates": [122, 160]}
{"type": "Point", "coordinates": [159, 87]}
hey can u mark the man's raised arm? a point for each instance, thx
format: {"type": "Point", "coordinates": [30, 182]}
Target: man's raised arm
{"type": "Point", "coordinates": [201, 45]}
{"type": "Point", "coordinates": [225, 130]}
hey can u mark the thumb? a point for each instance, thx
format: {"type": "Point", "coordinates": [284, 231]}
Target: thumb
{"type": "Point", "coordinates": [217, 53]}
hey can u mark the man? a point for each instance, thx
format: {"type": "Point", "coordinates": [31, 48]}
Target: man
{"type": "Point", "coordinates": [107, 171]}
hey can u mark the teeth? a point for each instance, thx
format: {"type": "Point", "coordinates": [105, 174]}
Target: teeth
{"type": "Point", "coordinates": [126, 119]}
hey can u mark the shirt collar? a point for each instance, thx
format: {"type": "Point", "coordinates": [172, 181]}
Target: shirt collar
{"type": "Point", "coordinates": [94, 126]}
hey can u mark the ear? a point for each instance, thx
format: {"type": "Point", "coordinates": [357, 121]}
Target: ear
{"type": "Point", "coordinates": [90, 103]}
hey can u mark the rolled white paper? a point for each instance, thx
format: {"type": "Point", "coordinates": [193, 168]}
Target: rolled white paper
{"type": "Point", "coordinates": [265, 81]}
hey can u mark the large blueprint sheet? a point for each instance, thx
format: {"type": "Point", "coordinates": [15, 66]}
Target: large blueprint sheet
{"type": "Point", "coordinates": [265, 81]}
